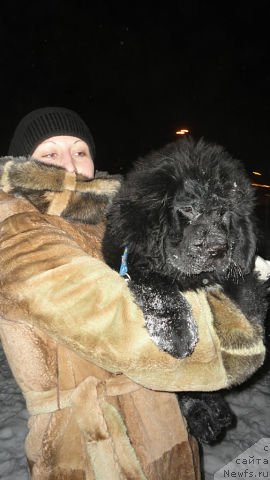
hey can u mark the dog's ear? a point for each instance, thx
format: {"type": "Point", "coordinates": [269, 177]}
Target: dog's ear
{"type": "Point", "coordinates": [243, 228]}
{"type": "Point", "coordinates": [245, 243]}
{"type": "Point", "coordinates": [142, 203]}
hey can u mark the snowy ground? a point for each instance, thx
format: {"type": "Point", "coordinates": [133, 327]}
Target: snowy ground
{"type": "Point", "coordinates": [252, 406]}
{"type": "Point", "coordinates": [13, 426]}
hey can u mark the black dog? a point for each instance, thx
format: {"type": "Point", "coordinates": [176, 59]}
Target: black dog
{"type": "Point", "coordinates": [185, 215]}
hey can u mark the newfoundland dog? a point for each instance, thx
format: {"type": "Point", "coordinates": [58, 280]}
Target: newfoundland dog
{"type": "Point", "coordinates": [184, 214]}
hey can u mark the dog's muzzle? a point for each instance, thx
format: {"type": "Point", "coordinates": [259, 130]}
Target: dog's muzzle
{"type": "Point", "coordinates": [209, 241]}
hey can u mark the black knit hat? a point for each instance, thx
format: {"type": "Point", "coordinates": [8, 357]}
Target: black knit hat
{"type": "Point", "coordinates": [48, 122]}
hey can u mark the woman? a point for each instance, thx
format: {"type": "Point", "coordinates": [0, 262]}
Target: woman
{"type": "Point", "coordinates": [97, 388]}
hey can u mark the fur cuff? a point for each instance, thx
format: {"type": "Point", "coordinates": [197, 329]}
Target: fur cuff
{"type": "Point", "coordinates": [54, 191]}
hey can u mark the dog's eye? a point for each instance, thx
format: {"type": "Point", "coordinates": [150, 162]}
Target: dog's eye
{"type": "Point", "coordinates": [187, 211]}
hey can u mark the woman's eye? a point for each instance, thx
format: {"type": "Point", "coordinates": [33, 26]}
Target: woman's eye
{"type": "Point", "coordinates": [79, 154]}
{"type": "Point", "coordinates": [49, 155]}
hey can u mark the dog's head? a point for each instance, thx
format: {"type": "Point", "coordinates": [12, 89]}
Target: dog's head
{"type": "Point", "coordinates": [187, 210]}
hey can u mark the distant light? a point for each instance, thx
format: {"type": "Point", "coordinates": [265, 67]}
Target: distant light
{"type": "Point", "coordinates": [260, 185]}
{"type": "Point", "coordinates": [183, 131]}
{"type": "Point", "coordinates": [256, 173]}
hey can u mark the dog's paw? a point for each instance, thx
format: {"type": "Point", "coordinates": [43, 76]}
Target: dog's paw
{"type": "Point", "coordinates": [207, 417]}
{"type": "Point", "coordinates": [168, 319]}
{"type": "Point", "coordinates": [177, 337]}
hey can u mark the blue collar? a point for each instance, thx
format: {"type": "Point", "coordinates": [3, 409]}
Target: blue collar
{"type": "Point", "coordinates": [124, 266]}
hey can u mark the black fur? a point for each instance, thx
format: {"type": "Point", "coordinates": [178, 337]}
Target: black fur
{"type": "Point", "coordinates": [186, 214]}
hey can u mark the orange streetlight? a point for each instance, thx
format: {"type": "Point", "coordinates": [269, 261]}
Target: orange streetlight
{"type": "Point", "coordinates": [183, 131]}
{"type": "Point", "coordinates": [260, 185]}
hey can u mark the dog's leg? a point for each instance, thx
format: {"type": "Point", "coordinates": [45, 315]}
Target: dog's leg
{"type": "Point", "coordinates": [167, 314]}
{"type": "Point", "coordinates": [208, 415]}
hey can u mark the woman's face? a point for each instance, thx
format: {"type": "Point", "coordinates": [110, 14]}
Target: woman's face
{"type": "Point", "coordinates": [68, 152]}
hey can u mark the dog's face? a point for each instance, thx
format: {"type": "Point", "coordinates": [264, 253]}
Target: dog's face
{"type": "Point", "coordinates": [187, 210]}
{"type": "Point", "coordinates": [207, 232]}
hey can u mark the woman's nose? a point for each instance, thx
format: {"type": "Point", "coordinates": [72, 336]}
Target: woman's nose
{"type": "Point", "coordinates": [68, 163]}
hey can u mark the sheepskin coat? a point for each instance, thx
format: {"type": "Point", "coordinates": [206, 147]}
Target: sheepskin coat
{"type": "Point", "coordinates": [97, 388]}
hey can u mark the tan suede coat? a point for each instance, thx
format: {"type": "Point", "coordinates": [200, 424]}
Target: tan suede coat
{"type": "Point", "coordinates": [96, 386]}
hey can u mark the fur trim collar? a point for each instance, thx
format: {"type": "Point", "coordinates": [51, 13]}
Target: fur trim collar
{"type": "Point", "coordinates": [54, 191]}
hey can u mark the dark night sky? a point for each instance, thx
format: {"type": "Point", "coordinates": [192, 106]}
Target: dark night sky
{"type": "Point", "coordinates": [137, 71]}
